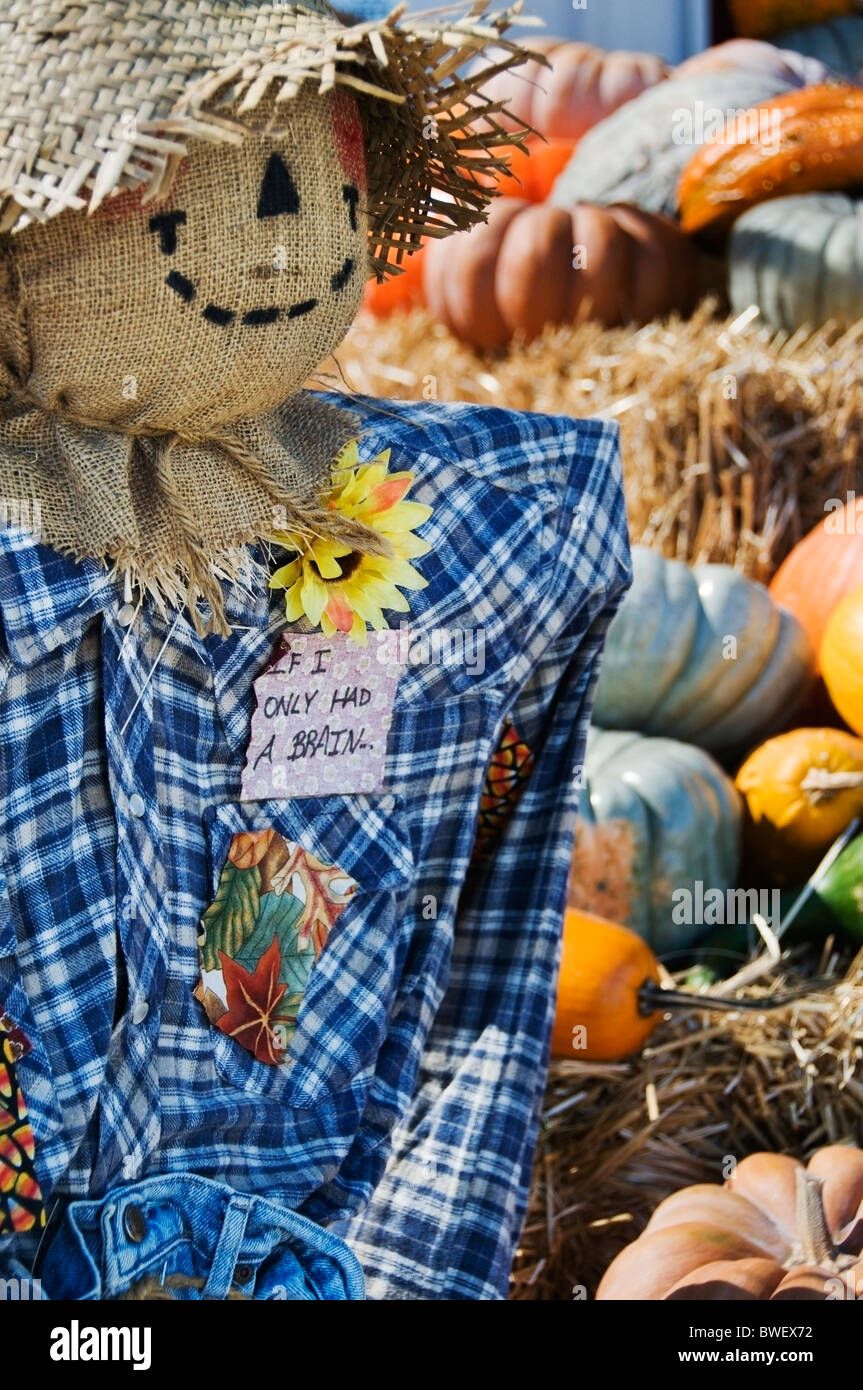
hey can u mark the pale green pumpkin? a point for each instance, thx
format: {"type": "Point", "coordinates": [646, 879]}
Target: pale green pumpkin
{"type": "Point", "coordinates": [657, 818]}
{"type": "Point", "coordinates": [637, 154]}
{"type": "Point", "coordinates": [703, 654]}
{"type": "Point", "coordinates": [800, 259]}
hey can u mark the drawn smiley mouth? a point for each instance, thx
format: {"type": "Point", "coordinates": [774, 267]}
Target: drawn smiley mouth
{"type": "Point", "coordinates": [278, 197]}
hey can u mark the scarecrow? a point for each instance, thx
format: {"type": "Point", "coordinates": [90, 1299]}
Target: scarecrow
{"type": "Point", "coordinates": [293, 685]}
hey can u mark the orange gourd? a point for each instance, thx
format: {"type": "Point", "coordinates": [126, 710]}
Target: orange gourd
{"type": "Point", "coordinates": [774, 1231]}
{"type": "Point", "coordinates": [842, 659]}
{"type": "Point", "coordinates": [533, 265]}
{"type": "Point", "coordinates": [534, 167]}
{"type": "Point", "coordinates": [578, 86]}
{"type": "Point", "coordinates": [403, 291]}
{"type": "Point", "coordinates": [603, 968]}
{"type": "Point", "coordinates": [801, 790]}
{"type": "Point", "coordinates": [822, 568]}
{"type": "Point", "coordinates": [756, 19]}
{"type": "Point", "coordinates": [804, 141]}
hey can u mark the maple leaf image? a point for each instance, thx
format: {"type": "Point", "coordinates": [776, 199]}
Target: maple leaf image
{"type": "Point", "coordinates": [253, 999]}
{"type": "Point", "coordinates": [324, 903]}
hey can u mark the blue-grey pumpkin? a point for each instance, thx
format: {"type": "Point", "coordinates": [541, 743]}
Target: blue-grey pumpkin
{"type": "Point", "coordinates": [703, 654]}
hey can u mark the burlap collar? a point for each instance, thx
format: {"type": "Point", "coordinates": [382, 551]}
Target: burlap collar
{"type": "Point", "coordinates": [175, 514]}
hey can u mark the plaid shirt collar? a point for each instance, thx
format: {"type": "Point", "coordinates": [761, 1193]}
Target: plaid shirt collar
{"type": "Point", "coordinates": [46, 599]}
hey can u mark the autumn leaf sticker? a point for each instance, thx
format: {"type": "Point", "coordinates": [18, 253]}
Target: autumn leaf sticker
{"type": "Point", "coordinates": [271, 918]}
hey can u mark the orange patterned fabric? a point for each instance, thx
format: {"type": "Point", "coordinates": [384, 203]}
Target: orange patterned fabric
{"type": "Point", "coordinates": [509, 769]}
{"type": "Point", "coordinates": [21, 1206]}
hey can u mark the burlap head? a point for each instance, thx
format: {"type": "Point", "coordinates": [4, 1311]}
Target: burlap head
{"type": "Point", "coordinates": [191, 196]}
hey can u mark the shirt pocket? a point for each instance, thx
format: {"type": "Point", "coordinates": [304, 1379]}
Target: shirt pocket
{"type": "Point", "coordinates": [318, 887]}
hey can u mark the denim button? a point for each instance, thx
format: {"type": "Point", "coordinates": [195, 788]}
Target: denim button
{"type": "Point", "coordinates": [242, 1274]}
{"type": "Point", "coordinates": [137, 805]}
{"type": "Point", "coordinates": [135, 1223]}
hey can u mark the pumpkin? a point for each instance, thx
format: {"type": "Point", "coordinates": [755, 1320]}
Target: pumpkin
{"type": "Point", "coordinates": [655, 816]}
{"type": "Point", "coordinates": [838, 43]}
{"type": "Point", "coordinates": [702, 653]}
{"type": "Point", "coordinates": [603, 967]}
{"type": "Point", "coordinates": [402, 291]}
{"type": "Point", "coordinates": [580, 86]}
{"type": "Point", "coordinates": [825, 566]}
{"type": "Point", "coordinates": [774, 1231]}
{"type": "Point", "coordinates": [800, 790]}
{"type": "Point", "coordinates": [842, 658]}
{"type": "Point", "coordinates": [806, 141]}
{"type": "Point", "coordinates": [755, 56]}
{"type": "Point", "coordinates": [800, 260]}
{"type": "Point", "coordinates": [532, 265]}
{"type": "Point", "coordinates": [638, 154]}
{"type": "Point", "coordinates": [761, 18]}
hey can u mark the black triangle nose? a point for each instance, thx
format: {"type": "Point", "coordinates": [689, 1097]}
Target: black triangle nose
{"type": "Point", "coordinates": [278, 193]}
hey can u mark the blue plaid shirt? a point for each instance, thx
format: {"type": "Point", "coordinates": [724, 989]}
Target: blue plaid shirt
{"type": "Point", "coordinates": [407, 1117]}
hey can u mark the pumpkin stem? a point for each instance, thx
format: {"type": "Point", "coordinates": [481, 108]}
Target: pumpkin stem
{"type": "Point", "coordinates": [652, 996]}
{"type": "Point", "coordinates": [815, 1238]}
{"type": "Point", "coordinates": [822, 785]}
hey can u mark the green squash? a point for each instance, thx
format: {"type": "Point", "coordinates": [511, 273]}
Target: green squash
{"type": "Point", "coordinates": [701, 653]}
{"type": "Point", "coordinates": [657, 818]}
{"type": "Point", "coordinates": [837, 42]}
{"type": "Point", "coordinates": [800, 259]}
{"type": "Point", "coordinates": [836, 901]}
{"type": "Point", "coordinates": [637, 154]}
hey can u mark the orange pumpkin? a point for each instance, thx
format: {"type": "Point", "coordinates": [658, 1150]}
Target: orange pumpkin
{"type": "Point", "coordinates": [533, 265]}
{"type": "Point", "coordinates": [806, 140]}
{"type": "Point", "coordinates": [774, 1231]}
{"type": "Point", "coordinates": [534, 167]}
{"type": "Point", "coordinates": [577, 87]}
{"type": "Point", "coordinates": [801, 790]}
{"type": "Point", "coordinates": [822, 568]}
{"type": "Point", "coordinates": [603, 968]}
{"type": "Point", "coordinates": [402, 291]}
{"type": "Point", "coordinates": [842, 659]}
{"type": "Point", "coordinates": [757, 19]}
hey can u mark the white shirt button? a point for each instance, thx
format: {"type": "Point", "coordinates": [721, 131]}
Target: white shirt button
{"type": "Point", "coordinates": [137, 805]}
{"type": "Point", "coordinates": [126, 614]}
{"type": "Point", "coordinates": [140, 1011]}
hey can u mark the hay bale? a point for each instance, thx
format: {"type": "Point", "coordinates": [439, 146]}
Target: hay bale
{"type": "Point", "coordinates": [733, 438]}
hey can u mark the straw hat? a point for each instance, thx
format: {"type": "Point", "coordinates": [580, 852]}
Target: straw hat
{"type": "Point", "coordinates": [105, 95]}
{"type": "Point", "coordinates": [154, 155]}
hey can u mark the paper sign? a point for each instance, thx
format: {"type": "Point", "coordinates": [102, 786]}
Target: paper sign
{"type": "Point", "coordinates": [322, 716]}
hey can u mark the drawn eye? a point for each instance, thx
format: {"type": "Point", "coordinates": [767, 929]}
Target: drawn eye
{"type": "Point", "coordinates": [278, 193]}
{"type": "Point", "coordinates": [351, 195]}
{"type": "Point", "coordinates": [166, 224]}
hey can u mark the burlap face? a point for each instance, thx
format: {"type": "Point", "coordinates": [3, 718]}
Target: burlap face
{"type": "Point", "coordinates": [211, 305]}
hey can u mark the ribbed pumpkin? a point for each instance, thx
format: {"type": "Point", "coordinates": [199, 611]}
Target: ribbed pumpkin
{"type": "Point", "coordinates": [826, 565]}
{"type": "Point", "coordinates": [701, 653]}
{"type": "Point", "coordinates": [761, 18]}
{"type": "Point", "coordinates": [801, 790]}
{"type": "Point", "coordinates": [837, 42]}
{"type": "Point", "coordinates": [603, 966]}
{"type": "Point", "coordinates": [842, 659]}
{"type": "Point", "coordinates": [756, 56]}
{"type": "Point", "coordinates": [581, 85]}
{"type": "Point", "coordinates": [638, 154]}
{"type": "Point", "coordinates": [800, 260]}
{"type": "Point", "coordinates": [774, 1231]}
{"type": "Point", "coordinates": [807, 141]}
{"type": "Point", "coordinates": [655, 816]}
{"type": "Point", "coordinates": [516, 272]}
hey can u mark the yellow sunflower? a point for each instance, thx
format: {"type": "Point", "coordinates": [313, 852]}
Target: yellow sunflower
{"type": "Point", "coordinates": [343, 590]}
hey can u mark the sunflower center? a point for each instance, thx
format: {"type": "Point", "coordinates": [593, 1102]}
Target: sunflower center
{"type": "Point", "coordinates": [347, 563]}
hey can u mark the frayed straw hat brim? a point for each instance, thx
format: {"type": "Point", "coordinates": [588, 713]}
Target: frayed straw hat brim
{"type": "Point", "coordinates": [104, 96]}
